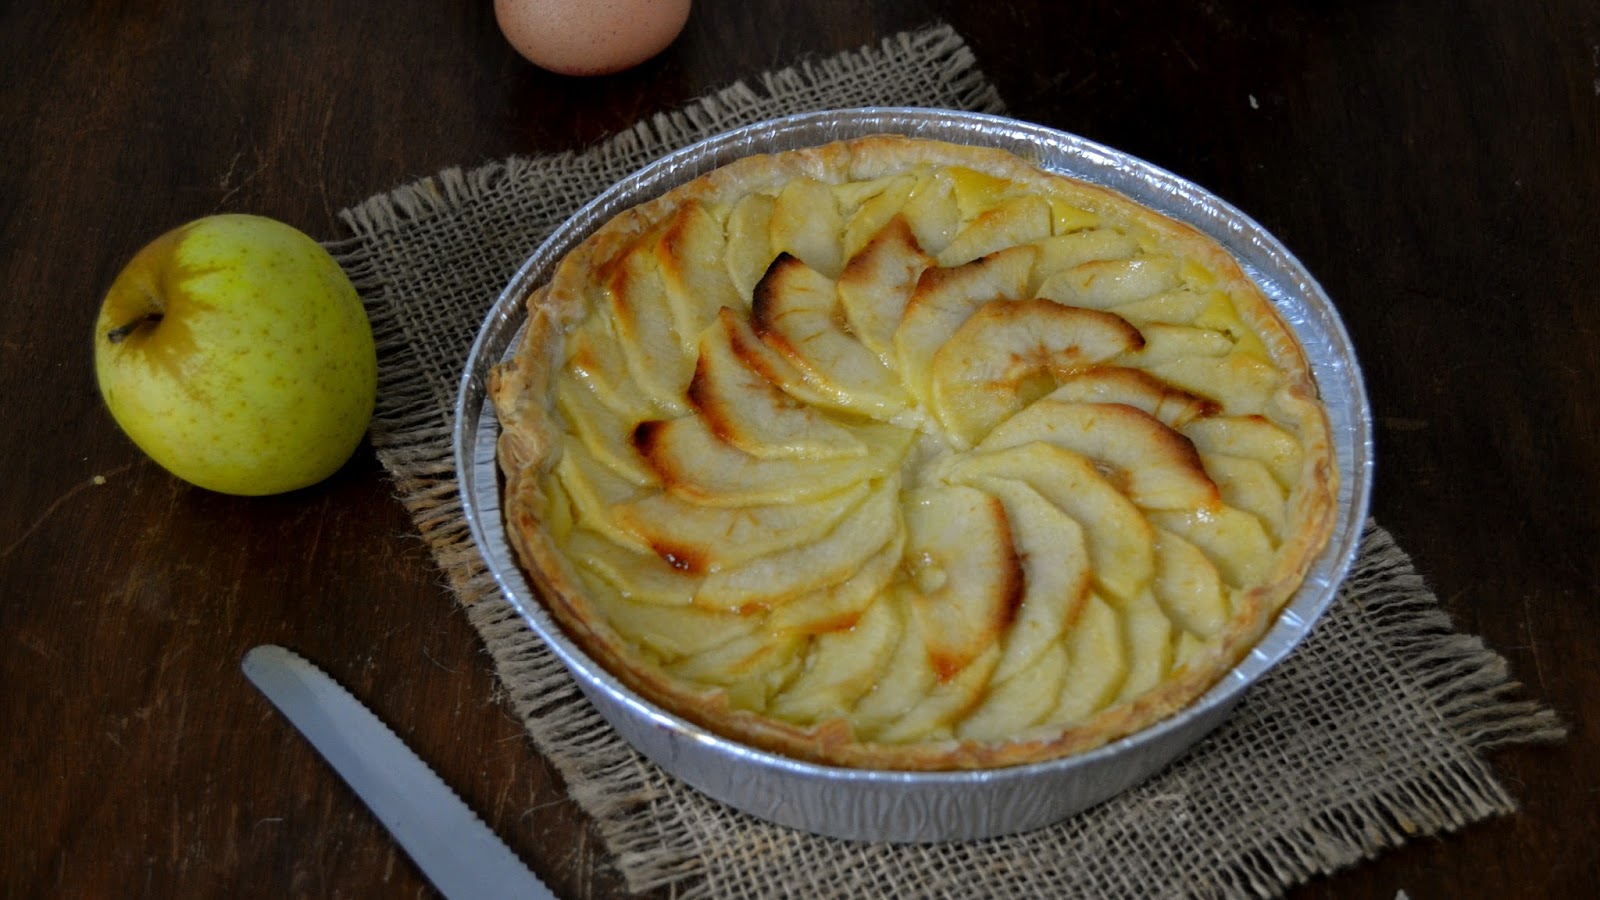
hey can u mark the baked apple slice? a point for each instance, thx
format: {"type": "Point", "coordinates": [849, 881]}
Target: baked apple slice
{"type": "Point", "coordinates": [776, 578]}
{"type": "Point", "coordinates": [1116, 536]}
{"type": "Point", "coordinates": [604, 432]}
{"type": "Point", "coordinates": [806, 224]}
{"type": "Point", "coordinates": [945, 298]}
{"type": "Point", "coordinates": [1055, 570]}
{"type": "Point", "coordinates": [639, 577]}
{"type": "Point", "coordinates": [1105, 283]}
{"type": "Point", "coordinates": [689, 255]}
{"type": "Point", "coordinates": [1250, 437]}
{"type": "Point", "coordinates": [651, 351]}
{"type": "Point", "coordinates": [692, 462]}
{"type": "Point", "coordinates": [838, 606]}
{"type": "Point", "coordinates": [1061, 252]}
{"type": "Point", "coordinates": [1019, 220]}
{"type": "Point", "coordinates": [1156, 467]}
{"type": "Point", "coordinates": [932, 211]}
{"type": "Point", "coordinates": [748, 251]}
{"type": "Point", "coordinates": [796, 313]}
{"type": "Point", "coordinates": [744, 408]}
{"type": "Point", "coordinates": [1097, 664]}
{"type": "Point", "coordinates": [1188, 586]}
{"type": "Point", "coordinates": [597, 362]}
{"type": "Point", "coordinates": [1006, 354]}
{"type": "Point", "coordinates": [1136, 388]}
{"type": "Point", "coordinates": [842, 665]}
{"type": "Point", "coordinates": [700, 539]}
{"type": "Point", "coordinates": [966, 570]}
{"type": "Point", "coordinates": [874, 204]}
{"type": "Point", "coordinates": [877, 284]}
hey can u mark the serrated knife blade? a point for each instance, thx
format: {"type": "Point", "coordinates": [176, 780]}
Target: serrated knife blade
{"type": "Point", "coordinates": [454, 849]}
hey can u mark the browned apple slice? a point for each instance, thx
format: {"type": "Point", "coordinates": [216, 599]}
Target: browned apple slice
{"type": "Point", "coordinates": [778, 577]}
{"type": "Point", "coordinates": [1248, 485]}
{"type": "Point", "coordinates": [842, 665]}
{"type": "Point", "coordinates": [772, 367]}
{"type": "Point", "coordinates": [1104, 283]}
{"type": "Point", "coordinates": [1055, 566]}
{"type": "Point", "coordinates": [1014, 221]}
{"type": "Point", "coordinates": [1116, 535]}
{"type": "Point", "coordinates": [950, 700]}
{"type": "Point", "coordinates": [748, 250]}
{"type": "Point", "coordinates": [796, 312]}
{"type": "Point", "coordinates": [744, 408]}
{"type": "Point", "coordinates": [988, 369]}
{"type": "Point", "coordinates": [604, 432]}
{"type": "Point", "coordinates": [595, 493]}
{"type": "Point", "coordinates": [641, 577]}
{"type": "Point", "coordinates": [966, 569]}
{"type": "Point", "coordinates": [877, 284]}
{"type": "Point", "coordinates": [701, 539]}
{"type": "Point", "coordinates": [1136, 388]}
{"type": "Point", "coordinates": [669, 632]}
{"type": "Point", "coordinates": [1155, 466]}
{"type": "Point", "coordinates": [693, 463]}
{"type": "Point", "coordinates": [838, 606]}
{"type": "Point", "coordinates": [945, 298]}
{"type": "Point", "coordinates": [806, 224]}
{"type": "Point", "coordinates": [689, 255]}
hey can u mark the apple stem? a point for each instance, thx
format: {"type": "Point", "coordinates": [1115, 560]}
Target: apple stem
{"type": "Point", "coordinates": [116, 335]}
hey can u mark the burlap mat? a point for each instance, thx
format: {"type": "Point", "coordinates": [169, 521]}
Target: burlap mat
{"type": "Point", "coordinates": [1369, 735]}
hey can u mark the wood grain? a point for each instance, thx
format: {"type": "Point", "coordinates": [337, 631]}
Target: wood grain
{"type": "Point", "coordinates": [1437, 164]}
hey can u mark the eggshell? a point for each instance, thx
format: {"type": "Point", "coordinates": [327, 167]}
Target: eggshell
{"type": "Point", "coordinates": [590, 37]}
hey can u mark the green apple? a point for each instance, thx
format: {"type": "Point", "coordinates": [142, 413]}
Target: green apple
{"type": "Point", "coordinates": [234, 351]}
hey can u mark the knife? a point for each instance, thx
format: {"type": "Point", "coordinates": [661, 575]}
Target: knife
{"type": "Point", "coordinates": [446, 839]}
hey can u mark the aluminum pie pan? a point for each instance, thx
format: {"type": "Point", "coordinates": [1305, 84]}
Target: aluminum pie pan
{"type": "Point", "coordinates": [918, 807]}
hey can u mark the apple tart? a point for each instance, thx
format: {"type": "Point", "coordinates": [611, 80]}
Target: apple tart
{"type": "Point", "coordinates": [903, 454]}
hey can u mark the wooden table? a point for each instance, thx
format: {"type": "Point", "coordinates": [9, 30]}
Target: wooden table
{"type": "Point", "coordinates": [1436, 163]}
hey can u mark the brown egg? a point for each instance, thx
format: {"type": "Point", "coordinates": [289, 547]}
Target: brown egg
{"type": "Point", "coordinates": [590, 37]}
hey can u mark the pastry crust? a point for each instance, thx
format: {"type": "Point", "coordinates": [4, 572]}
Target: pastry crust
{"type": "Point", "coordinates": [848, 454]}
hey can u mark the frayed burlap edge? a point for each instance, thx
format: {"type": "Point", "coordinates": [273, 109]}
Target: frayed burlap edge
{"type": "Point", "coordinates": [1457, 676]}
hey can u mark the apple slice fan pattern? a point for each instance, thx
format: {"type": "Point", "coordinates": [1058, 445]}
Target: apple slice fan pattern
{"type": "Point", "coordinates": [922, 459]}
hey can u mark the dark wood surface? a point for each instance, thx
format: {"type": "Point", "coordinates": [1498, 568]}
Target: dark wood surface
{"type": "Point", "coordinates": [1436, 163]}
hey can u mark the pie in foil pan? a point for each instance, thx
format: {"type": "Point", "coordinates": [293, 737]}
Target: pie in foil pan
{"type": "Point", "coordinates": [913, 475]}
